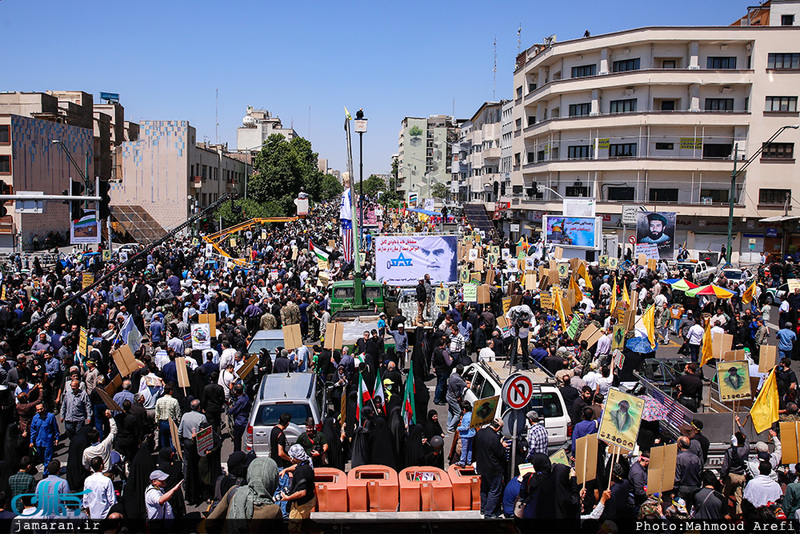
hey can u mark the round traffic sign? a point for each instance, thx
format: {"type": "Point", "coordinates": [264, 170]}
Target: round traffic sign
{"type": "Point", "coordinates": [517, 391]}
{"type": "Point", "coordinates": [632, 240]}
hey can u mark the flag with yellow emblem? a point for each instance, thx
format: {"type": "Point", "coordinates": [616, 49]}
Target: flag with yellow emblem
{"type": "Point", "coordinates": [765, 408]}
{"type": "Point", "coordinates": [706, 350]}
{"type": "Point", "coordinates": [559, 306]}
{"type": "Point", "coordinates": [649, 321]}
{"type": "Point", "coordinates": [749, 293]}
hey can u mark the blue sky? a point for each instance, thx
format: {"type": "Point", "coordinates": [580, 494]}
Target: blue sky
{"type": "Point", "coordinates": [393, 59]}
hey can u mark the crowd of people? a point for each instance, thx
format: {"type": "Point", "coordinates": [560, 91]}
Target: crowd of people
{"type": "Point", "coordinates": [137, 456]}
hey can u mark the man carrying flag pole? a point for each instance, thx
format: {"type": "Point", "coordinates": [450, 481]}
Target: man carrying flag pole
{"type": "Point", "coordinates": [363, 396]}
{"type": "Point", "coordinates": [320, 252]}
{"type": "Point", "coordinates": [377, 391]}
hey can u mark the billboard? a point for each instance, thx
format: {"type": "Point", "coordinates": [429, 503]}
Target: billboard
{"type": "Point", "coordinates": [657, 228]}
{"type": "Point", "coordinates": [576, 232]}
{"type": "Point", "coordinates": [402, 260]}
{"type": "Point", "coordinates": [86, 230]}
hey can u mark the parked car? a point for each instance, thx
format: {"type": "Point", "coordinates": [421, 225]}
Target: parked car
{"type": "Point", "coordinates": [699, 271]}
{"type": "Point", "coordinates": [298, 394]}
{"type": "Point", "coordinates": [776, 295]}
{"type": "Point", "coordinates": [734, 275]}
{"type": "Point", "coordinates": [269, 339]}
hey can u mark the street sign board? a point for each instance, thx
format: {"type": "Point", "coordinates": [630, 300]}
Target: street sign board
{"type": "Point", "coordinates": [629, 212]}
{"type": "Point", "coordinates": [517, 391]}
{"type": "Point", "coordinates": [632, 240]}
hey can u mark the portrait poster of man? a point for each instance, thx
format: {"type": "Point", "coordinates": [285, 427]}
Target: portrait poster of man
{"type": "Point", "coordinates": [402, 260]}
{"type": "Point", "coordinates": [657, 228]}
{"type": "Point", "coordinates": [734, 381]}
{"type": "Point", "coordinates": [622, 416]}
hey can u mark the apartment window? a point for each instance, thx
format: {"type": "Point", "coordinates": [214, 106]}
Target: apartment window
{"type": "Point", "coordinates": [717, 150]}
{"type": "Point", "coordinates": [719, 104]}
{"type": "Point", "coordinates": [778, 151]}
{"type": "Point", "coordinates": [5, 134]}
{"type": "Point", "coordinates": [531, 87]}
{"type": "Point", "coordinates": [783, 61]}
{"type": "Point", "coordinates": [531, 157]}
{"type": "Point", "coordinates": [578, 110]}
{"type": "Point", "coordinates": [554, 153]}
{"type": "Point", "coordinates": [668, 64]}
{"type": "Point", "coordinates": [519, 92]}
{"type": "Point", "coordinates": [622, 150]}
{"type": "Point", "coordinates": [787, 20]}
{"type": "Point", "coordinates": [721, 62]}
{"type": "Point", "coordinates": [667, 105]}
{"type": "Point", "coordinates": [665, 146]}
{"type": "Point", "coordinates": [577, 191]}
{"type": "Point", "coordinates": [625, 65]}
{"type": "Point", "coordinates": [540, 155]}
{"type": "Point", "coordinates": [623, 106]}
{"type": "Point", "coordinates": [518, 123]}
{"type": "Point", "coordinates": [5, 164]}
{"type": "Point", "coordinates": [579, 152]}
{"type": "Point", "coordinates": [531, 120]}
{"type": "Point", "coordinates": [517, 159]}
{"type": "Point", "coordinates": [584, 70]}
{"type": "Point", "coordinates": [621, 193]}
{"type": "Point", "coordinates": [663, 195]}
{"type": "Point", "coordinates": [773, 196]}
{"type": "Point", "coordinates": [774, 103]}
{"type": "Point", "coordinates": [716, 195]}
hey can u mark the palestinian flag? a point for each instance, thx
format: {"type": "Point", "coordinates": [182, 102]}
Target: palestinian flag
{"type": "Point", "coordinates": [363, 396]}
{"type": "Point", "coordinates": [378, 391]}
{"type": "Point", "coordinates": [319, 251]}
{"type": "Point", "coordinates": [409, 417]}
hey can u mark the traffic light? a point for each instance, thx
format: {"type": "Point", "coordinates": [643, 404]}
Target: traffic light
{"type": "Point", "coordinates": [76, 206]}
{"type": "Point", "coordinates": [105, 199]}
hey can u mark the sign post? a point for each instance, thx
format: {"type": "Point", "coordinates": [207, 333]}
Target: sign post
{"type": "Point", "coordinates": [517, 392]}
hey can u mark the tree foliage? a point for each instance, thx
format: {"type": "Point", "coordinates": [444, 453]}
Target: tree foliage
{"type": "Point", "coordinates": [373, 185]}
{"type": "Point", "coordinates": [247, 209]}
{"type": "Point", "coordinates": [439, 191]}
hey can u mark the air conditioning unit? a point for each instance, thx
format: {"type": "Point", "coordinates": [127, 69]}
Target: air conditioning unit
{"type": "Point", "coordinates": [706, 200]}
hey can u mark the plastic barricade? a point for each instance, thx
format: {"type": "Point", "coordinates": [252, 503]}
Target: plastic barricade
{"type": "Point", "coordinates": [466, 487]}
{"type": "Point", "coordinates": [425, 489]}
{"type": "Point", "coordinates": [372, 488]}
{"type": "Point", "coordinates": [331, 488]}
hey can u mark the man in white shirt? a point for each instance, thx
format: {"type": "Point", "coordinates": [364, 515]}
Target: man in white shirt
{"type": "Point", "coordinates": [486, 354]}
{"type": "Point", "coordinates": [717, 328]}
{"type": "Point", "coordinates": [227, 355]}
{"type": "Point", "coordinates": [101, 497]}
{"type": "Point", "coordinates": [98, 448]}
{"type": "Point", "coordinates": [694, 337]}
{"type": "Point", "coordinates": [592, 377]}
{"type": "Point", "coordinates": [762, 489]}
{"type": "Point", "coordinates": [783, 313]}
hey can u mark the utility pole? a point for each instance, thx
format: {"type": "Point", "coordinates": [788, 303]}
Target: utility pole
{"type": "Point", "coordinates": [361, 128]}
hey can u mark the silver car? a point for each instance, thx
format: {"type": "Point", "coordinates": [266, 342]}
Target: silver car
{"type": "Point", "coordinates": [298, 394]}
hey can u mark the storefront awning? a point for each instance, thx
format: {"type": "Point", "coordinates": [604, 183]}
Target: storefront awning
{"type": "Point", "coordinates": [779, 219]}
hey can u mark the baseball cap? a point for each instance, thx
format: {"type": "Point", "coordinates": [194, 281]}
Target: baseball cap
{"type": "Point", "coordinates": [158, 475]}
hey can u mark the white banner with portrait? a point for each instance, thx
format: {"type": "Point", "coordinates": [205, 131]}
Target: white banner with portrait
{"type": "Point", "coordinates": [402, 260]}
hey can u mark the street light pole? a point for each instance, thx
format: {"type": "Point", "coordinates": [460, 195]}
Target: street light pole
{"type": "Point", "coordinates": [736, 172]}
{"type": "Point", "coordinates": [360, 127]}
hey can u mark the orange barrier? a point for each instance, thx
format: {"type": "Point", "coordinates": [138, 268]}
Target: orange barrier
{"type": "Point", "coordinates": [372, 488]}
{"type": "Point", "coordinates": [425, 489]}
{"type": "Point", "coordinates": [466, 487]}
{"type": "Point", "coordinates": [331, 487]}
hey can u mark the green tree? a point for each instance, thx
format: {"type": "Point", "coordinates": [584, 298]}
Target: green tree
{"type": "Point", "coordinates": [439, 191]}
{"type": "Point", "coordinates": [373, 185]}
{"type": "Point", "coordinates": [247, 209]}
{"type": "Point", "coordinates": [330, 187]}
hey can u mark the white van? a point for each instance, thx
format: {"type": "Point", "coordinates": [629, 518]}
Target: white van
{"type": "Point", "coordinates": [487, 380]}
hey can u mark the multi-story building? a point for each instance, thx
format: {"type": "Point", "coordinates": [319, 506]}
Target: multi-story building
{"type": "Point", "coordinates": [30, 161]}
{"type": "Point", "coordinates": [655, 117]}
{"type": "Point", "coordinates": [257, 126]}
{"type": "Point", "coordinates": [425, 153]}
{"type": "Point", "coordinates": [479, 155]}
{"type": "Point", "coordinates": [166, 174]}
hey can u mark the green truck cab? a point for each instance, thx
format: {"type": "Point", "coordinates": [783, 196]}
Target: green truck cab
{"type": "Point", "coordinates": [343, 297]}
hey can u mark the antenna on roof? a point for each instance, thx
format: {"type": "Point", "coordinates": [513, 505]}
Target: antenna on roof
{"type": "Point", "coordinates": [216, 119]}
{"type": "Point", "coordinates": [519, 38]}
{"type": "Point", "coordinates": [494, 70]}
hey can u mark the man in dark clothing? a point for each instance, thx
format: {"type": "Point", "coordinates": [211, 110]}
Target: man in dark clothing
{"type": "Point", "coordinates": [568, 393]}
{"type": "Point", "coordinates": [699, 437]}
{"type": "Point", "coordinates": [687, 471]}
{"type": "Point", "coordinates": [422, 299]}
{"type": "Point", "coordinates": [638, 478]}
{"type": "Point", "coordinates": [585, 400]}
{"type": "Point", "coordinates": [785, 377]}
{"type": "Point", "coordinates": [213, 401]}
{"type": "Point", "coordinates": [240, 411]}
{"type": "Point", "coordinates": [490, 459]}
{"type": "Point", "coordinates": [690, 387]}
{"type": "Point", "coordinates": [442, 367]}
{"type": "Point", "coordinates": [278, 450]}
{"type": "Point", "coordinates": [554, 363]}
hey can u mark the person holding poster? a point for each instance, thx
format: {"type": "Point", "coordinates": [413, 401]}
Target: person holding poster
{"type": "Point", "coordinates": [734, 381]}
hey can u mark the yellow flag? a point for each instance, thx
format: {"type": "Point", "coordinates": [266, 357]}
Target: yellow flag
{"type": "Point", "coordinates": [559, 305]}
{"type": "Point", "coordinates": [522, 279]}
{"type": "Point", "coordinates": [625, 295]}
{"type": "Point", "coordinates": [706, 350]}
{"type": "Point", "coordinates": [573, 284]}
{"type": "Point", "coordinates": [765, 408]}
{"type": "Point", "coordinates": [347, 114]}
{"type": "Point", "coordinates": [749, 293]}
{"type": "Point", "coordinates": [613, 303]}
{"type": "Point", "coordinates": [649, 321]}
{"type": "Point", "coordinates": [588, 281]}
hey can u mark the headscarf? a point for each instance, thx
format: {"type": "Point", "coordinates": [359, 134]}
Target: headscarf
{"type": "Point", "coordinates": [414, 451]}
{"type": "Point", "coordinates": [332, 436]}
{"type": "Point", "coordinates": [262, 480]}
{"type": "Point", "coordinates": [432, 428]}
{"type": "Point", "coordinates": [297, 452]}
{"type": "Point", "coordinates": [76, 474]}
{"type": "Point", "coordinates": [237, 465]}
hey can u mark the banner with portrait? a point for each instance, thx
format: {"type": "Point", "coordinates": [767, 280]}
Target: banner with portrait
{"type": "Point", "coordinates": [622, 416]}
{"type": "Point", "coordinates": [403, 260]}
{"type": "Point", "coordinates": [577, 232]}
{"type": "Point", "coordinates": [657, 228]}
{"type": "Point", "coordinates": [734, 381]}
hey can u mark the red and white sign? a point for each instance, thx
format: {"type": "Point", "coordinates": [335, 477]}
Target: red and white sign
{"type": "Point", "coordinates": [517, 391]}
{"type": "Point", "coordinates": [632, 240]}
